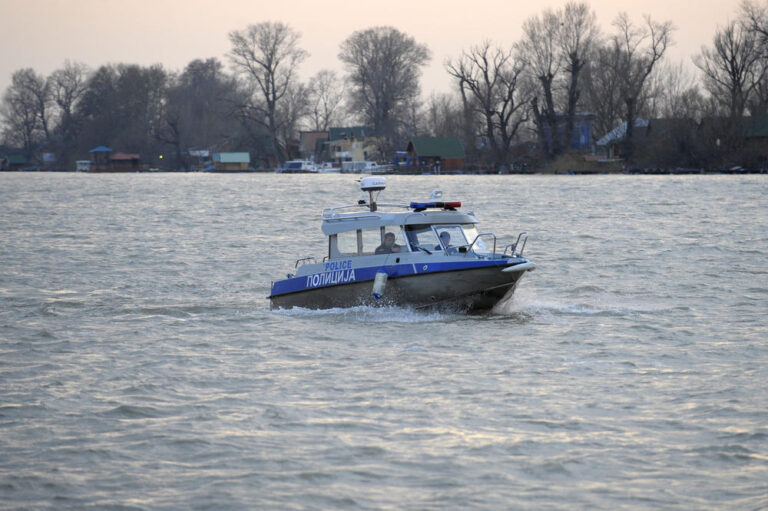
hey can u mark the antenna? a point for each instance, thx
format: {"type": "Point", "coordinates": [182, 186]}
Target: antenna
{"type": "Point", "coordinates": [370, 185]}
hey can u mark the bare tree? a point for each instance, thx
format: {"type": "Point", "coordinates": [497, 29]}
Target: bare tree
{"type": "Point", "coordinates": [196, 112]}
{"type": "Point", "coordinates": [170, 127]}
{"type": "Point", "coordinates": [469, 118]}
{"type": "Point", "coordinates": [639, 48]}
{"type": "Point", "coordinates": [577, 38]}
{"type": "Point", "coordinates": [602, 86]}
{"type": "Point", "coordinates": [326, 93]}
{"type": "Point", "coordinates": [268, 56]}
{"type": "Point", "coordinates": [41, 91]}
{"type": "Point", "coordinates": [410, 121]}
{"type": "Point", "coordinates": [731, 68]}
{"type": "Point", "coordinates": [122, 108]}
{"type": "Point", "coordinates": [67, 86]}
{"type": "Point", "coordinates": [538, 49]}
{"type": "Point", "coordinates": [444, 115]}
{"type": "Point", "coordinates": [674, 93]}
{"type": "Point", "coordinates": [556, 47]}
{"type": "Point", "coordinates": [758, 102]}
{"type": "Point", "coordinates": [24, 110]}
{"type": "Point", "coordinates": [492, 78]}
{"type": "Point", "coordinates": [384, 67]}
{"type": "Point", "coordinates": [755, 16]}
{"type": "Point", "coordinates": [292, 110]}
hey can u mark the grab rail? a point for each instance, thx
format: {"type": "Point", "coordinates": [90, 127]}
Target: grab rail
{"type": "Point", "coordinates": [331, 212]}
{"type": "Point", "coordinates": [513, 248]}
{"type": "Point", "coordinates": [302, 261]}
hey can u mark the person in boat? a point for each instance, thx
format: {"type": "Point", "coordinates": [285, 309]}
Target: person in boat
{"type": "Point", "coordinates": [389, 246]}
{"type": "Point", "coordinates": [445, 238]}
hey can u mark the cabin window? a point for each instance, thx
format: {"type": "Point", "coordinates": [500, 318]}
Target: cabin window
{"type": "Point", "coordinates": [371, 240]}
{"type": "Point", "coordinates": [346, 243]}
{"type": "Point", "coordinates": [364, 241]}
{"type": "Point", "coordinates": [374, 239]}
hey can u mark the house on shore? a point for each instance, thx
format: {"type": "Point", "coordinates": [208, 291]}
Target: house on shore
{"type": "Point", "coordinates": [126, 162]}
{"type": "Point", "coordinates": [100, 159]}
{"type": "Point", "coordinates": [580, 139]}
{"type": "Point", "coordinates": [104, 159]}
{"type": "Point", "coordinates": [611, 145]}
{"type": "Point", "coordinates": [356, 143]}
{"type": "Point", "coordinates": [668, 143]}
{"type": "Point", "coordinates": [199, 159]}
{"type": "Point", "coordinates": [754, 129]}
{"type": "Point", "coordinates": [311, 144]}
{"type": "Point", "coordinates": [43, 158]}
{"type": "Point", "coordinates": [436, 153]}
{"type": "Point", "coordinates": [13, 162]}
{"type": "Point", "coordinates": [231, 162]}
{"type": "Point", "coordinates": [684, 143]}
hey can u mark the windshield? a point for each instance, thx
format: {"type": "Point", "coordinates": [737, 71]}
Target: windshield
{"type": "Point", "coordinates": [436, 237]}
{"type": "Point", "coordinates": [453, 239]}
{"type": "Point", "coordinates": [451, 236]}
{"type": "Point", "coordinates": [470, 231]}
{"type": "Point", "coordinates": [422, 237]}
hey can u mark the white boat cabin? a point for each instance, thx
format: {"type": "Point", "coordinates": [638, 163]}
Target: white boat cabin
{"type": "Point", "coordinates": [432, 227]}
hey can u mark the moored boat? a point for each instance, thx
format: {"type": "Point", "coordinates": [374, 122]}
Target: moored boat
{"type": "Point", "coordinates": [297, 167]}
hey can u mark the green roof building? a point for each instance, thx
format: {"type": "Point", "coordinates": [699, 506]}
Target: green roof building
{"type": "Point", "coordinates": [439, 153]}
{"type": "Point", "coordinates": [755, 126]}
{"type": "Point", "coordinates": [231, 162]}
{"type": "Point", "coordinates": [13, 162]}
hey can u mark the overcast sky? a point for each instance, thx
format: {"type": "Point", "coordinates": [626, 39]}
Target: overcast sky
{"type": "Point", "coordinates": [42, 34]}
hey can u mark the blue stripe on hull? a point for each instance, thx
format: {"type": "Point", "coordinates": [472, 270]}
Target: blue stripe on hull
{"type": "Point", "coordinates": [352, 275]}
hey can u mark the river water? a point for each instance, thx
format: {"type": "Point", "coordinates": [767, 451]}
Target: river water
{"type": "Point", "coordinates": [141, 367]}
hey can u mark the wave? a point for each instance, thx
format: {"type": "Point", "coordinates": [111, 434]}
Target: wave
{"type": "Point", "coordinates": [182, 311]}
{"type": "Point", "coordinates": [133, 412]}
{"type": "Point", "coordinates": [536, 308]}
{"type": "Point", "coordinates": [523, 308]}
{"type": "Point", "coordinates": [370, 314]}
{"type": "Point", "coordinates": [527, 303]}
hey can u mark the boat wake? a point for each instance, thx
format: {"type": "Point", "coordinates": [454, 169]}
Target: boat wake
{"type": "Point", "coordinates": [529, 304]}
{"type": "Point", "coordinates": [368, 314]}
{"type": "Point", "coordinates": [524, 304]}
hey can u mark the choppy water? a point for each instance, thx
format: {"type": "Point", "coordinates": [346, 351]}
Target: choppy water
{"type": "Point", "coordinates": [141, 368]}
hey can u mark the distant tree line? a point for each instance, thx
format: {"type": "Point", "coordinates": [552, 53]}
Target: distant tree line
{"type": "Point", "coordinates": [508, 102]}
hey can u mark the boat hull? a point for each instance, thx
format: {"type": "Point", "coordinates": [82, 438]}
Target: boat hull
{"type": "Point", "coordinates": [475, 289]}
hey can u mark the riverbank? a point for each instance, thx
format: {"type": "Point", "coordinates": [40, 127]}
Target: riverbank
{"type": "Point", "coordinates": [635, 171]}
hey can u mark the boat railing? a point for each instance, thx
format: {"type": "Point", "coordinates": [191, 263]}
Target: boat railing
{"type": "Point", "coordinates": [305, 260]}
{"type": "Point", "coordinates": [335, 210]}
{"type": "Point", "coordinates": [471, 246]}
{"type": "Point", "coordinates": [513, 251]}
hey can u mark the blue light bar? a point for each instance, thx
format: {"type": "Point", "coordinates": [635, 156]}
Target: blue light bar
{"type": "Point", "coordinates": [421, 206]}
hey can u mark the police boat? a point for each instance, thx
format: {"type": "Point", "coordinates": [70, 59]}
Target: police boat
{"type": "Point", "coordinates": [422, 254]}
